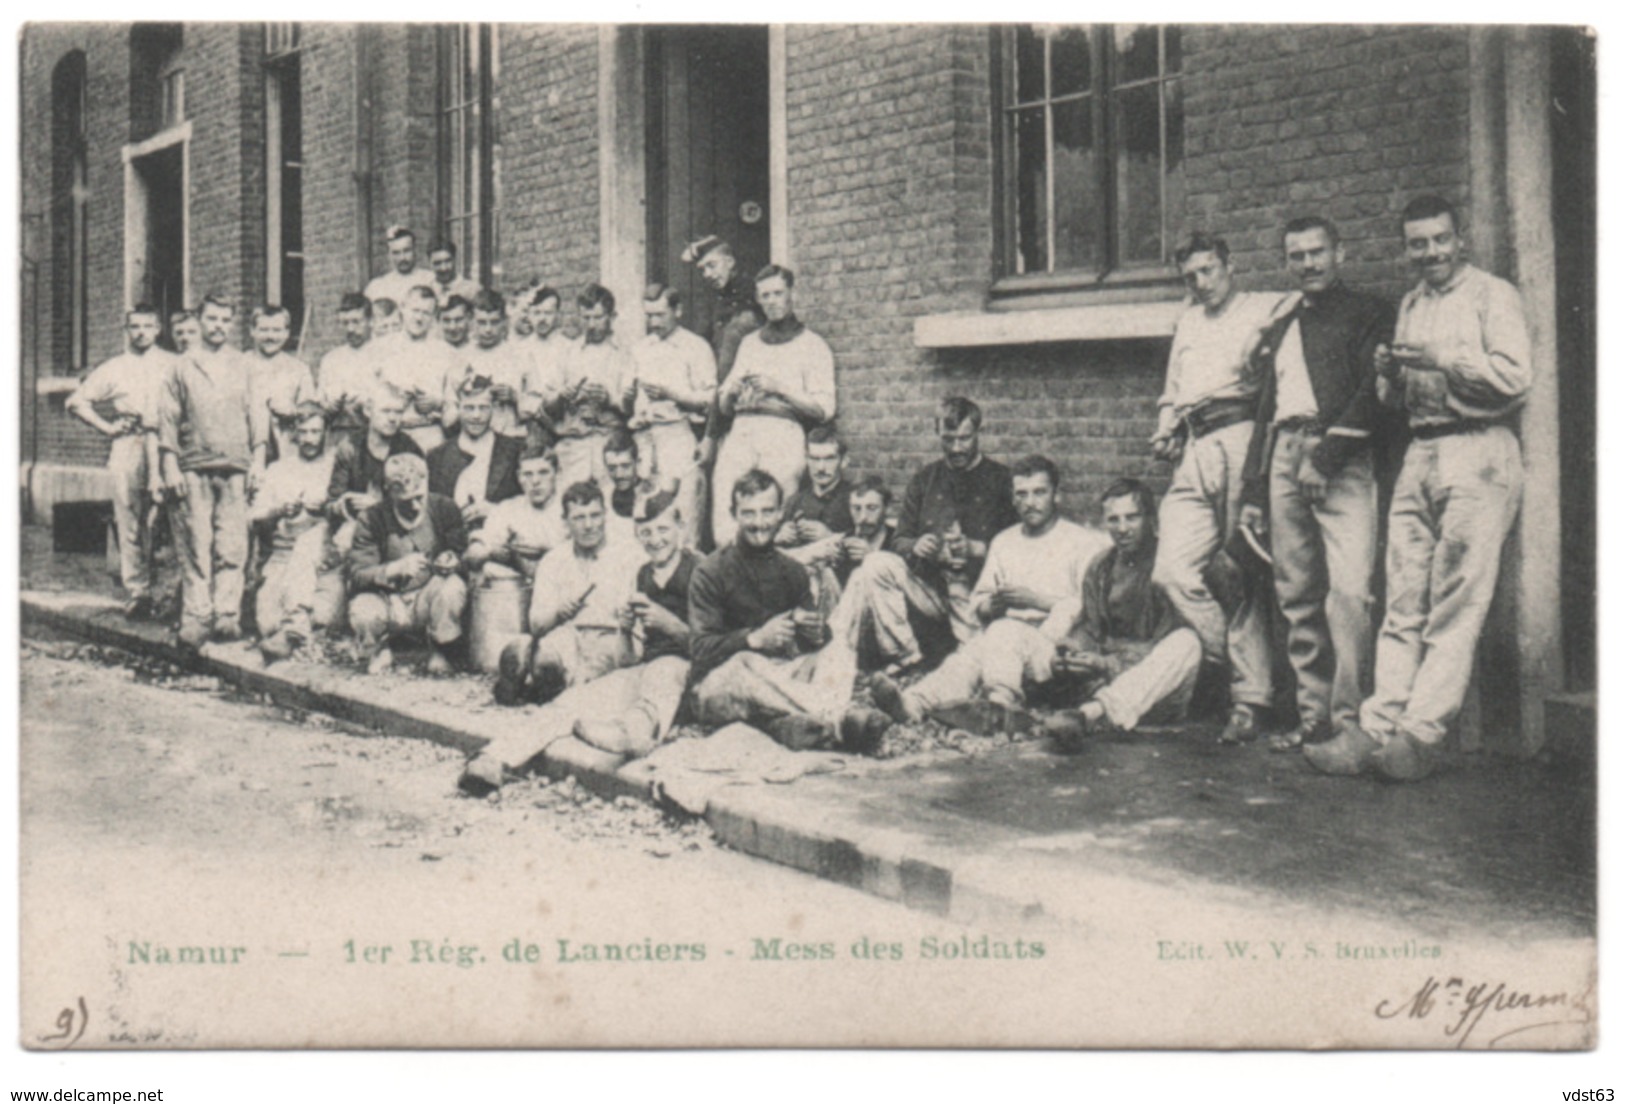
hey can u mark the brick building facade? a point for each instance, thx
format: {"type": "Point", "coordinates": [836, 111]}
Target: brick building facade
{"type": "Point", "coordinates": [930, 209]}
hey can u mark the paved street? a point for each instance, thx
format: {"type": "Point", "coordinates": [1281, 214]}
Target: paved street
{"type": "Point", "coordinates": [161, 807]}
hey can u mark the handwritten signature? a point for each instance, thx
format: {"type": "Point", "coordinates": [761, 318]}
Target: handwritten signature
{"type": "Point", "coordinates": [66, 1021]}
{"type": "Point", "coordinates": [1463, 1005]}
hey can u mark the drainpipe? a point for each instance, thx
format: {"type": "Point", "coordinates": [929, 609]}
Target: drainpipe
{"type": "Point", "coordinates": [362, 166]}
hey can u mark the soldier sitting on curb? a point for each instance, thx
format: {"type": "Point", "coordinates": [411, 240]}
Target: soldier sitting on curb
{"type": "Point", "coordinates": [1128, 655]}
{"type": "Point", "coordinates": [405, 568]}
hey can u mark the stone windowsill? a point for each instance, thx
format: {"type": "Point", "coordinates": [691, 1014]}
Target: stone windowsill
{"type": "Point", "coordinates": [56, 385]}
{"type": "Point", "coordinates": [1103, 322]}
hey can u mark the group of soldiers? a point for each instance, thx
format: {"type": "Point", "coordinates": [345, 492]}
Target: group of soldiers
{"type": "Point", "coordinates": [423, 470]}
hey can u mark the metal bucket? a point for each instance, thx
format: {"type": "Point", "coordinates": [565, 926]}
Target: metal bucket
{"type": "Point", "coordinates": [501, 608]}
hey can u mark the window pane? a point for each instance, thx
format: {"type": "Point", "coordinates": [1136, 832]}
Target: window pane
{"type": "Point", "coordinates": [1069, 60]}
{"type": "Point", "coordinates": [1137, 124]}
{"type": "Point", "coordinates": [1174, 61]}
{"type": "Point", "coordinates": [1077, 199]}
{"type": "Point", "coordinates": [1032, 222]}
{"type": "Point", "coordinates": [1136, 46]}
{"type": "Point", "coordinates": [1029, 65]}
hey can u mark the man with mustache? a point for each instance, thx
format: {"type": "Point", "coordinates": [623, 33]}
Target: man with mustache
{"type": "Point", "coordinates": [1022, 598]}
{"type": "Point", "coordinates": [952, 508]}
{"type": "Point", "coordinates": [1311, 462]}
{"type": "Point", "coordinates": [1460, 366]}
{"type": "Point", "coordinates": [212, 447]}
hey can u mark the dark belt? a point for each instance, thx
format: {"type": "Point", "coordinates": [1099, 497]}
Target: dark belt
{"type": "Point", "coordinates": [1450, 429]}
{"type": "Point", "coordinates": [1217, 415]}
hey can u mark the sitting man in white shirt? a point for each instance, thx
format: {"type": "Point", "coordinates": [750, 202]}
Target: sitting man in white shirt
{"type": "Point", "coordinates": [576, 598]}
{"type": "Point", "coordinates": [631, 709]}
{"type": "Point", "coordinates": [303, 586]}
{"type": "Point", "coordinates": [519, 531]}
{"type": "Point", "coordinates": [1031, 569]}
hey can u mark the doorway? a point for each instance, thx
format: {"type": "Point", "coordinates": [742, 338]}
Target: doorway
{"type": "Point", "coordinates": [707, 153]}
{"type": "Point", "coordinates": [1574, 205]}
{"type": "Point", "coordinates": [157, 240]}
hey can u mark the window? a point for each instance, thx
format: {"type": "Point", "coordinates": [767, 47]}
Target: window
{"type": "Point", "coordinates": [157, 79]}
{"type": "Point", "coordinates": [284, 174]}
{"type": "Point", "coordinates": [1092, 144]}
{"type": "Point", "coordinates": [470, 194]}
{"type": "Point", "coordinates": [69, 241]}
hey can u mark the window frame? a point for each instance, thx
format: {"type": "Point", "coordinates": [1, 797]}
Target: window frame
{"type": "Point", "coordinates": [1111, 278]}
{"type": "Point", "coordinates": [70, 208]}
{"type": "Point", "coordinates": [456, 45]}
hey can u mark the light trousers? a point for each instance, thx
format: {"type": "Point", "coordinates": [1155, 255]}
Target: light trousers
{"type": "Point", "coordinates": [654, 689]}
{"type": "Point", "coordinates": [1454, 504]}
{"type": "Point", "coordinates": [127, 468]}
{"type": "Point", "coordinates": [886, 591]}
{"type": "Point", "coordinates": [757, 688]}
{"type": "Point", "coordinates": [776, 445]}
{"type": "Point", "coordinates": [1008, 655]}
{"type": "Point", "coordinates": [1324, 555]}
{"type": "Point", "coordinates": [1156, 688]}
{"type": "Point", "coordinates": [1198, 514]}
{"type": "Point", "coordinates": [296, 592]}
{"type": "Point", "coordinates": [434, 609]}
{"type": "Point", "coordinates": [213, 521]}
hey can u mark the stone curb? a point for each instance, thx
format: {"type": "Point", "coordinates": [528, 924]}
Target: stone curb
{"type": "Point", "coordinates": [765, 820]}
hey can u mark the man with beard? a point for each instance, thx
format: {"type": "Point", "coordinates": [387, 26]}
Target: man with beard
{"type": "Point", "coordinates": [405, 569]}
{"type": "Point", "coordinates": [758, 643]}
{"type": "Point", "coordinates": [1032, 573]}
{"type": "Point", "coordinates": [212, 452]}
{"type": "Point", "coordinates": [952, 508]}
{"type": "Point", "coordinates": [127, 389]}
{"type": "Point", "coordinates": [782, 384]}
{"type": "Point", "coordinates": [1126, 655]}
{"type": "Point", "coordinates": [296, 596]}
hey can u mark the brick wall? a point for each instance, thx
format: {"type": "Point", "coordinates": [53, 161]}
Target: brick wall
{"type": "Point", "coordinates": [327, 77]}
{"type": "Point", "coordinates": [226, 161]}
{"type": "Point", "coordinates": [890, 185]}
{"type": "Point", "coordinates": [1348, 122]}
{"type": "Point", "coordinates": [891, 216]}
{"type": "Point", "coordinates": [550, 156]}
{"type": "Point", "coordinates": [47, 432]}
